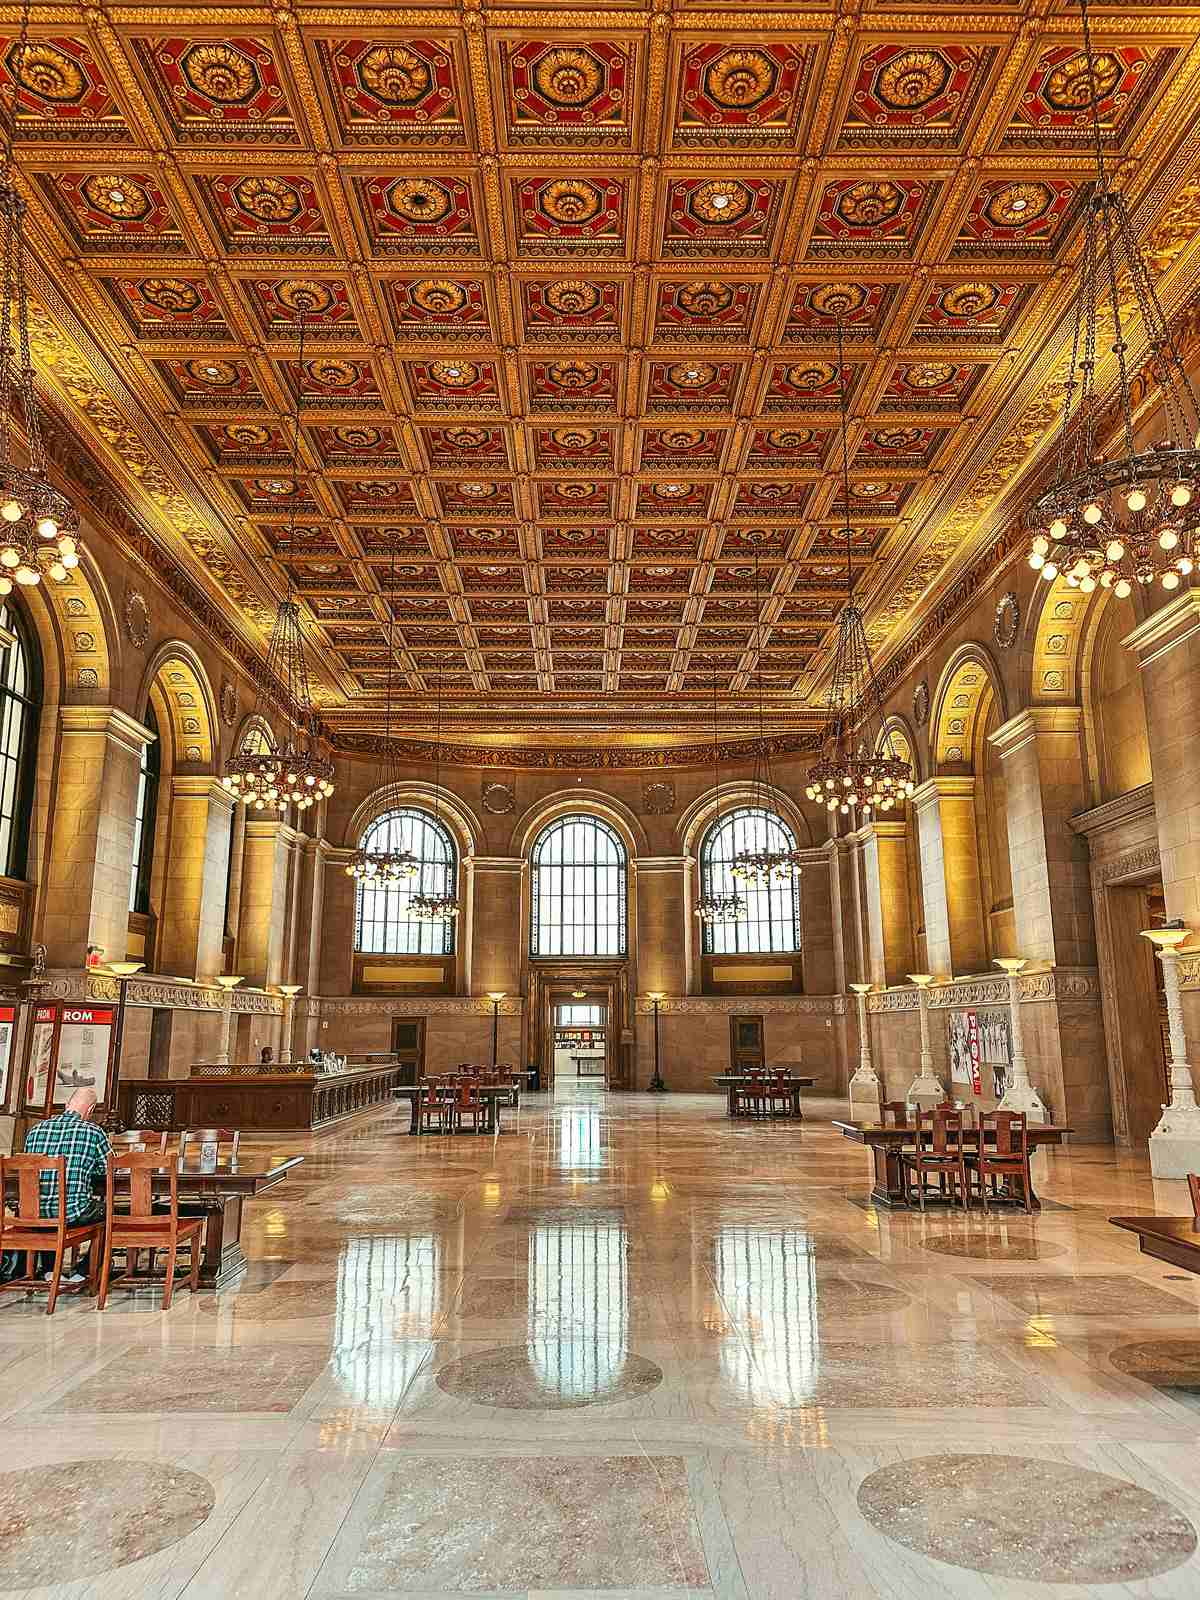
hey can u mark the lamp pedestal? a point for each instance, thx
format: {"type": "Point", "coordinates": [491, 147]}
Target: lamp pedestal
{"type": "Point", "coordinates": [925, 1090]}
{"type": "Point", "coordinates": [1020, 1094]}
{"type": "Point", "coordinates": [656, 1084]}
{"type": "Point", "coordinates": [866, 1094]}
{"type": "Point", "coordinates": [1175, 1142]}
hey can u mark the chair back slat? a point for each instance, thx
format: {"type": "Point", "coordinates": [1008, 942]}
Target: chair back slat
{"type": "Point", "coordinates": [898, 1112]}
{"type": "Point", "coordinates": [217, 1136]}
{"type": "Point", "coordinates": [29, 1170]}
{"type": "Point", "coordinates": [141, 1166]}
{"type": "Point", "coordinates": [1009, 1130]}
{"type": "Point", "coordinates": [1194, 1190]}
{"type": "Point", "coordinates": [942, 1127]}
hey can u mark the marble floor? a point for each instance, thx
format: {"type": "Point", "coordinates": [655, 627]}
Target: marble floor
{"type": "Point", "coordinates": [628, 1349]}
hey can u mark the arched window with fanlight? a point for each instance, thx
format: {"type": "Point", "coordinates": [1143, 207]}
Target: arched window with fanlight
{"type": "Point", "coordinates": [772, 920]}
{"type": "Point", "coordinates": [20, 705]}
{"type": "Point", "coordinates": [383, 921]}
{"type": "Point", "coordinates": [579, 892]}
{"type": "Point", "coordinates": [145, 818]}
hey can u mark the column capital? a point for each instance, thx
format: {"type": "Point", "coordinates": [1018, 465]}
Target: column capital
{"type": "Point", "coordinates": [943, 788]}
{"type": "Point", "coordinates": [1169, 626]}
{"type": "Point", "coordinates": [648, 864]}
{"type": "Point", "coordinates": [111, 721]}
{"type": "Point", "coordinates": [203, 788]}
{"type": "Point", "coordinates": [513, 864]}
{"type": "Point", "coordinates": [268, 828]}
{"type": "Point", "coordinates": [1025, 727]}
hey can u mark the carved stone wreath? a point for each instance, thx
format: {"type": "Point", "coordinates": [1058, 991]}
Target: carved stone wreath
{"type": "Point", "coordinates": [498, 798]}
{"type": "Point", "coordinates": [920, 704]}
{"type": "Point", "coordinates": [229, 704]}
{"type": "Point", "coordinates": [137, 619]}
{"type": "Point", "coordinates": [1008, 621]}
{"type": "Point", "coordinates": [658, 799]}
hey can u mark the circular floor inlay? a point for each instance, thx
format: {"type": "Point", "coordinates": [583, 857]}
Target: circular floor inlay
{"type": "Point", "coordinates": [981, 1247]}
{"type": "Point", "coordinates": [1018, 1517]}
{"type": "Point", "coordinates": [81, 1518]}
{"type": "Point", "coordinates": [845, 1297]}
{"type": "Point", "coordinates": [551, 1376]}
{"type": "Point", "coordinates": [1166, 1363]}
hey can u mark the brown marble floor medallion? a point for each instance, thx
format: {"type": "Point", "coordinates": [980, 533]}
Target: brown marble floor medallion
{"type": "Point", "coordinates": [81, 1518]}
{"type": "Point", "coordinates": [1022, 1518]}
{"type": "Point", "coordinates": [1166, 1363]}
{"type": "Point", "coordinates": [555, 1375]}
{"type": "Point", "coordinates": [858, 1297]}
{"type": "Point", "coordinates": [986, 1247]}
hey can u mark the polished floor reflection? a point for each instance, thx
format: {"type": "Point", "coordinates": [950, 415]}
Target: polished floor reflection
{"type": "Point", "coordinates": [628, 1349]}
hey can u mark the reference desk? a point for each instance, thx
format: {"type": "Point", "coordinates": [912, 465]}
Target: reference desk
{"type": "Point", "coordinates": [268, 1102]}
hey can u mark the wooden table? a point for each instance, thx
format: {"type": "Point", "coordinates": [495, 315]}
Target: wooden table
{"type": "Point", "coordinates": [886, 1143]}
{"type": "Point", "coordinates": [1173, 1239]}
{"type": "Point", "coordinates": [589, 1060]}
{"type": "Point", "coordinates": [218, 1193]}
{"type": "Point", "coordinates": [490, 1093]}
{"type": "Point", "coordinates": [731, 1082]}
{"type": "Point", "coordinates": [275, 1102]}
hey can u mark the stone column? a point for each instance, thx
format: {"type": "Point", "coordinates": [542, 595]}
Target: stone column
{"type": "Point", "coordinates": [866, 1097]}
{"type": "Point", "coordinates": [660, 884]}
{"type": "Point", "coordinates": [818, 952]}
{"type": "Point", "coordinates": [1045, 785]}
{"type": "Point", "coordinates": [264, 901]}
{"type": "Point", "coordinates": [926, 1089]}
{"type": "Point", "coordinates": [192, 925]}
{"type": "Point", "coordinates": [89, 860]}
{"type": "Point", "coordinates": [497, 920]}
{"type": "Point", "coordinates": [337, 932]}
{"type": "Point", "coordinates": [889, 925]}
{"type": "Point", "coordinates": [955, 942]}
{"type": "Point", "coordinates": [287, 1020]}
{"type": "Point", "coordinates": [228, 984]}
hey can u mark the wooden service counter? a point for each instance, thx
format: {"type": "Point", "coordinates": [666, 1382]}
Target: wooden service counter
{"type": "Point", "coordinates": [268, 1102]}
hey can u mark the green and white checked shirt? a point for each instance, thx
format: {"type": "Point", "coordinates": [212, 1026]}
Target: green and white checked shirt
{"type": "Point", "coordinates": [86, 1148]}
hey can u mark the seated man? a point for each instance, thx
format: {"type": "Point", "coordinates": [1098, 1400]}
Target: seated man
{"type": "Point", "coordinates": [74, 1135]}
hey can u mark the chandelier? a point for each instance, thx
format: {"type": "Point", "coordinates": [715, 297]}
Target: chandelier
{"type": "Point", "coordinates": [852, 771]}
{"type": "Point", "coordinates": [39, 527]}
{"type": "Point", "coordinates": [296, 774]}
{"type": "Point", "coordinates": [759, 863]}
{"type": "Point", "coordinates": [425, 906]}
{"type": "Point", "coordinates": [714, 907]}
{"type": "Point", "coordinates": [394, 863]}
{"type": "Point", "coordinates": [1131, 518]}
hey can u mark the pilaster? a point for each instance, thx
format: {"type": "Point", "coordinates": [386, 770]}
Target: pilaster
{"type": "Point", "coordinates": [954, 928]}
{"type": "Point", "coordinates": [192, 926]}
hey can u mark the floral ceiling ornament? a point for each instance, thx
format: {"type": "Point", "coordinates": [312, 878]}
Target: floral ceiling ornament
{"type": "Point", "coordinates": [859, 766]}
{"type": "Point", "coordinates": [1130, 517]}
{"type": "Point", "coordinates": [39, 527]}
{"type": "Point", "coordinates": [296, 773]}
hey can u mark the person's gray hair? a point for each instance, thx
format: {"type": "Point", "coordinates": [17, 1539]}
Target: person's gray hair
{"type": "Point", "coordinates": [82, 1101]}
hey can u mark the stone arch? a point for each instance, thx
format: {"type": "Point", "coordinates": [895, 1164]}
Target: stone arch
{"type": "Point", "coordinates": [253, 727]}
{"type": "Point", "coordinates": [968, 684]}
{"type": "Point", "coordinates": [179, 682]}
{"type": "Point", "coordinates": [87, 642]}
{"type": "Point", "coordinates": [462, 822]}
{"type": "Point", "coordinates": [1055, 641]}
{"type": "Point", "coordinates": [696, 819]}
{"type": "Point", "coordinates": [592, 802]}
{"type": "Point", "coordinates": [896, 730]}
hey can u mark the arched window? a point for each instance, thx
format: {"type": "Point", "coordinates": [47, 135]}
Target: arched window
{"type": "Point", "coordinates": [144, 818]}
{"type": "Point", "coordinates": [579, 895]}
{"type": "Point", "coordinates": [773, 913]}
{"type": "Point", "coordinates": [20, 703]}
{"type": "Point", "coordinates": [382, 924]}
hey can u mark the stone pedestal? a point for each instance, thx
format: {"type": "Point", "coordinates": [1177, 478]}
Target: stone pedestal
{"type": "Point", "coordinates": [866, 1094]}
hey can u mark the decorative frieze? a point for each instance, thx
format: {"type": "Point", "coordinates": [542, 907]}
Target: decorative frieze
{"type": "Point", "coordinates": [815, 1005]}
{"type": "Point", "coordinates": [1055, 983]}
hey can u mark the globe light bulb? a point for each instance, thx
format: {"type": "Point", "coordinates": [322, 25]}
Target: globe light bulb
{"type": "Point", "coordinates": [1049, 572]}
{"type": "Point", "coordinates": [1184, 564]}
{"type": "Point", "coordinates": [47, 528]}
{"type": "Point", "coordinates": [1181, 494]}
{"type": "Point", "coordinates": [1072, 580]}
{"type": "Point", "coordinates": [1087, 584]}
{"type": "Point", "coordinates": [1136, 499]}
{"type": "Point", "coordinates": [1058, 529]}
{"type": "Point", "coordinates": [1115, 550]}
{"type": "Point", "coordinates": [1170, 580]}
{"type": "Point", "coordinates": [70, 559]}
{"type": "Point", "coordinates": [1041, 545]}
{"type": "Point", "coordinates": [57, 571]}
{"type": "Point", "coordinates": [1123, 589]}
{"type": "Point", "coordinates": [5, 584]}
{"type": "Point", "coordinates": [66, 545]}
{"type": "Point", "coordinates": [1168, 539]}
{"type": "Point", "coordinates": [1037, 561]}
{"type": "Point", "coordinates": [1106, 580]}
{"type": "Point", "coordinates": [1092, 513]}
{"type": "Point", "coordinates": [26, 575]}
{"type": "Point", "coordinates": [12, 511]}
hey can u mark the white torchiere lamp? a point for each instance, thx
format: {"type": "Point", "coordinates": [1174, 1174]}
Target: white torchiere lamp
{"type": "Point", "coordinates": [228, 984]}
{"type": "Point", "coordinates": [1020, 1094]}
{"type": "Point", "coordinates": [289, 991]}
{"type": "Point", "coordinates": [926, 1089]}
{"type": "Point", "coordinates": [1175, 1142]}
{"type": "Point", "coordinates": [865, 1094]}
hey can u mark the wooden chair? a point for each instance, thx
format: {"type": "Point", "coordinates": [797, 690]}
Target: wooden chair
{"type": "Point", "coordinates": [899, 1113]}
{"type": "Point", "coordinates": [28, 1231]}
{"type": "Point", "coordinates": [1007, 1157]}
{"type": "Point", "coordinates": [780, 1093]}
{"type": "Point", "coordinates": [434, 1106]}
{"type": "Point", "coordinates": [1194, 1189]}
{"type": "Point", "coordinates": [147, 1225]}
{"type": "Point", "coordinates": [938, 1149]}
{"type": "Point", "coordinates": [218, 1136]}
{"type": "Point", "coordinates": [469, 1103]}
{"type": "Point", "coordinates": [139, 1139]}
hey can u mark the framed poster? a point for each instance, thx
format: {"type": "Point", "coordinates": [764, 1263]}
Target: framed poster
{"type": "Point", "coordinates": [964, 1049]}
{"type": "Point", "coordinates": [84, 1052]}
{"type": "Point", "coordinates": [41, 1057]}
{"type": "Point", "coordinates": [8, 1027]}
{"type": "Point", "coordinates": [995, 1048]}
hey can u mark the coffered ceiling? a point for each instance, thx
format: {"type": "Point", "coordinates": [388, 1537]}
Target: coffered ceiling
{"type": "Point", "coordinates": [570, 387]}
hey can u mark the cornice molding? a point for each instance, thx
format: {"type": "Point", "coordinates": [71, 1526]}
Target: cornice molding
{"type": "Point", "coordinates": [1129, 807]}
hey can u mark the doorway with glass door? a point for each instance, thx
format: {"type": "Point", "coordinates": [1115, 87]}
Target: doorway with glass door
{"type": "Point", "coordinates": [580, 1041]}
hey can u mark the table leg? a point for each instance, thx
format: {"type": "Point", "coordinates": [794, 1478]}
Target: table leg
{"type": "Point", "coordinates": [489, 1125]}
{"type": "Point", "coordinates": [414, 1126]}
{"type": "Point", "coordinates": [796, 1111]}
{"type": "Point", "coordinates": [889, 1186]}
{"type": "Point", "coordinates": [730, 1099]}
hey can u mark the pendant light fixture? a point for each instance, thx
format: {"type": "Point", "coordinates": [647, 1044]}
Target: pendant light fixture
{"type": "Point", "coordinates": [759, 862]}
{"type": "Point", "coordinates": [296, 774]}
{"type": "Point", "coordinates": [1130, 518]}
{"type": "Point", "coordinates": [715, 907]}
{"type": "Point", "coordinates": [859, 766]}
{"type": "Point", "coordinates": [432, 907]}
{"type": "Point", "coordinates": [39, 527]}
{"type": "Point", "coordinates": [394, 863]}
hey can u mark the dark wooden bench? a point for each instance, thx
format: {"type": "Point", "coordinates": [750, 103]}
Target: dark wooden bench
{"type": "Point", "coordinates": [1173, 1239]}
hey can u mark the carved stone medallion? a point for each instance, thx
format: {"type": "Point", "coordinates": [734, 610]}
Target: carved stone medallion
{"type": "Point", "coordinates": [229, 704]}
{"type": "Point", "coordinates": [1008, 621]}
{"type": "Point", "coordinates": [137, 619]}
{"type": "Point", "coordinates": [920, 704]}
{"type": "Point", "coordinates": [658, 799]}
{"type": "Point", "coordinates": [498, 799]}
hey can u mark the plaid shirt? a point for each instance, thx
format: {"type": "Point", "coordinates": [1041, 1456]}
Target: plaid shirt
{"type": "Point", "coordinates": [86, 1148]}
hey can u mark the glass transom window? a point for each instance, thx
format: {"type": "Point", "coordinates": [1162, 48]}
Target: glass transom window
{"type": "Point", "coordinates": [579, 890]}
{"type": "Point", "coordinates": [772, 921]}
{"type": "Point", "coordinates": [383, 924]}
